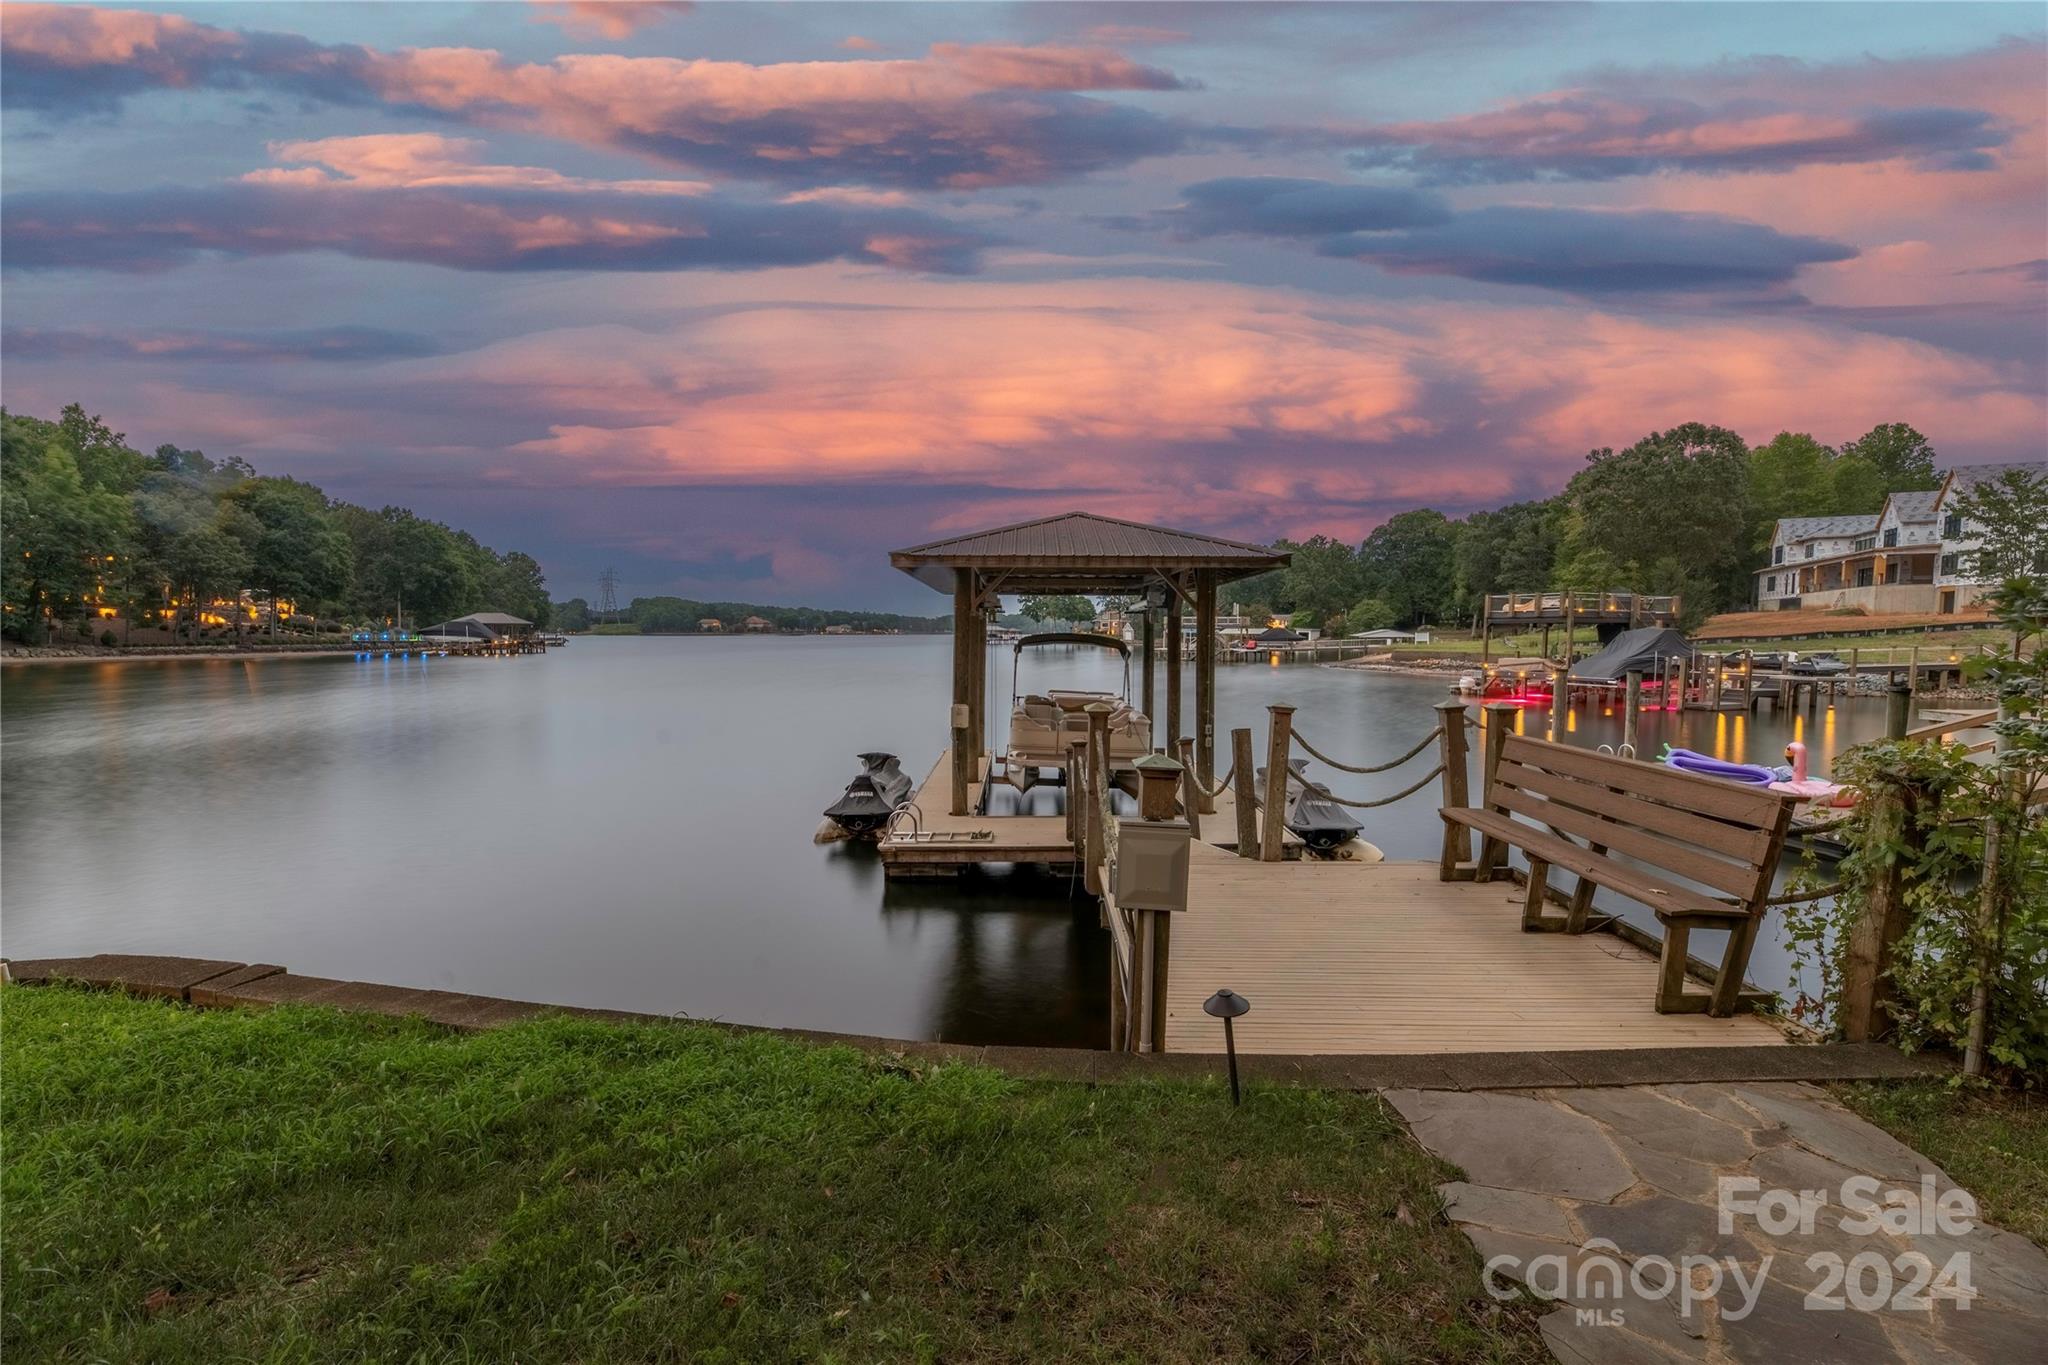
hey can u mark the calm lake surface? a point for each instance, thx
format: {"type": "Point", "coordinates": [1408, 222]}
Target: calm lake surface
{"type": "Point", "coordinates": [624, 822]}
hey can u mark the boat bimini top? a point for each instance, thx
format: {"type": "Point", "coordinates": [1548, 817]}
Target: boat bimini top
{"type": "Point", "coordinates": [1042, 724]}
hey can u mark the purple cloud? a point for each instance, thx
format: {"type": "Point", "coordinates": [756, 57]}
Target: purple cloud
{"type": "Point", "coordinates": [470, 229]}
{"type": "Point", "coordinates": [962, 116]}
{"type": "Point", "coordinates": [1581, 135]}
{"type": "Point", "coordinates": [1275, 206]}
{"type": "Point", "coordinates": [1594, 252]}
{"type": "Point", "coordinates": [216, 347]}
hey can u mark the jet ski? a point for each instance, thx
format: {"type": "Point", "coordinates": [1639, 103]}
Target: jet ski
{"type": "Point", "coordinates": [872, 797]}
{"type": "Point", "coordinates": [1312, 816]}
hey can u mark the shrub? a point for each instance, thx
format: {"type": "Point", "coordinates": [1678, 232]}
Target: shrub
{"type": "Point", "coordinates": [109, 639]}
{"type": "Point", "coordinates": [1971, 855]}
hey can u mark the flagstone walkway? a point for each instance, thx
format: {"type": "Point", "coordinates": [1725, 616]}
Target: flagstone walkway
{"type": "Point", "coordinates": [1586, 1196]}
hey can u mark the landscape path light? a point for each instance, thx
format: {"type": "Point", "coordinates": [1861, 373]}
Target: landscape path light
{"type": "Point", "coordinates": [1228, 1005]}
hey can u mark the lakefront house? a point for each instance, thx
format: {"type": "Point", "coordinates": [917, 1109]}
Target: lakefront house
{"type": "Point", "coordinates": [1911, 556]}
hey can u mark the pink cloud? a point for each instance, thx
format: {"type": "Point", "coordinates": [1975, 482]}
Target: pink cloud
{"type": "Point", "coordinates": [1177, 397]}
{"type": "Point", "coordinates": [608, 18]}
{"type": "Point", "coordinates": [961, 116]}
{"type": "Point", "coordinates": [416, 160]}
{"type": "Point", "coordinates": [1766, 115]}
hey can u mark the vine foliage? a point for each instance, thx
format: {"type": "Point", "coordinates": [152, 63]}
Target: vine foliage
{"type": "Point", "coordinates": [1965, 837]}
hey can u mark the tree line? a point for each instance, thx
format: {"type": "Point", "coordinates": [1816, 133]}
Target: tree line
{"type": "Point", "coordinates": [683, 616]}
{"type": "Point", "coordinates": [1687, 511]}
{"type": "Point", "coordinates": [93, 525]}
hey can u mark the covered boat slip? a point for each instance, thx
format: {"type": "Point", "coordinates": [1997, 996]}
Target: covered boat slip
{"type": "Point", "coordinates": [1173, 572]}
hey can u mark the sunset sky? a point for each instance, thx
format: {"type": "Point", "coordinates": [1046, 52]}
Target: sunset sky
{"type": "Point", "coordinates": [736, 297]}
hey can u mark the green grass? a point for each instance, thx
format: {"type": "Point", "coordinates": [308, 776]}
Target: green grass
{"type": "Point", "coordinates": [1993, 1142]}
{"type": "Point", "coordinates": [302, 1184]}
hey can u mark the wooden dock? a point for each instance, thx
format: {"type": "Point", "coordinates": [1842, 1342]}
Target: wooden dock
{"type": "Point", "coordinates": [1385, 958]}
{"type": "Point", "coordinates": [941, 844]}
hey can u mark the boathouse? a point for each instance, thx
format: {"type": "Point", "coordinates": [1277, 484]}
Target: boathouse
{"type": "Point", "coordinates": [481, 625]}
{"type": "Point", "coordinates": [1080, 552]}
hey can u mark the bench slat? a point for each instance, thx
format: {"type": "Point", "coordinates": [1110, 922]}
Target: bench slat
{"type": "Point", "coordinates": [1658, 852]}
{"type": "Point", "coordinates": [1634, 882]}
{"type": "Point", "coordinates": [1753, 807]}
{"type": "Point", "coordinates": [1742, 842]}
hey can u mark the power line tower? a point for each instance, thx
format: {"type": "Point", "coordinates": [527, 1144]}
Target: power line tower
{"type": "Point", "coordinates": [608, 595]}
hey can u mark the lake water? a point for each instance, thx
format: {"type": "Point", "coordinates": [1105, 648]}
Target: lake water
{"type": "Point", "coordinates": [624, 822]}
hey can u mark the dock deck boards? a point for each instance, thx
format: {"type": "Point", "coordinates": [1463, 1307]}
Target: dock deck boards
{"type": "Point", "coordinates": [1385, 958]}
{"type": "Point", "coordinates": [1015, 838]}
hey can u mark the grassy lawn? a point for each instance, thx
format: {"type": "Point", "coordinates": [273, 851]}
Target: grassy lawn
{"type": "Point", "coordinates": [1994, 1142]}
{"type": "Point", "coordinates": [302, 1184]}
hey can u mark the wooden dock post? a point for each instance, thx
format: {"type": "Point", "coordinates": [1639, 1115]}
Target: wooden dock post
{"type": "Point", "coordinates": [1898, 700]}
{"type": "Point", "coordinates": [1499, 722]}
{"type": "Point", "coordinates": [1277, 745]}
{"type": "Point", "coordinates": [1749, 680]}
{"type": "Point", "coordinates": [1098, 794]}
{"type": "Point", "coordinates": [1676, 702]}
{"type": "Point", "coordinates": [1245, 788]}
{"type": "Point", "coordinates": [1913, 670]}
{"type": "Point", "coordinates": [1205, 686]}
{"type": "Point", "coordinates": [1173, 647]}
{"type": "Point", "coordinates": [1866, 961]}
{"type": "Point", "coordinates": [1149, 644]}
{"type": "Point", "coordinates": [1457, 847]}
{"type": "Point", "coordinates": [961, 761]}
{"type": "Point", "coordinates": [1560, 699]}
{"type": "Point", "coordinates": [1632, 703]}
{"type": "Point", "coordinates": [1196, 799]}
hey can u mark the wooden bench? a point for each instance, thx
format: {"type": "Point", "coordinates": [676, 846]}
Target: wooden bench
{"type": "Point", "coordinates": [1678, 831]}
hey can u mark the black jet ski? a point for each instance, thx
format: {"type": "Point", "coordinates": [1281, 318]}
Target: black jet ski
{"type": "Point", "coordinates": [872, 797]}
{"type": "Point", "coordinates": [1312, 815]}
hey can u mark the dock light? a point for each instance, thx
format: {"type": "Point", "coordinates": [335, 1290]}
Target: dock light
{"type": "Point", "coordinates": [1228, 1005]}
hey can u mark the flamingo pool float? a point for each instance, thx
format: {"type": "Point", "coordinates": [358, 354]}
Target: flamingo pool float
{"type": "Point", "coordinates": [1811, 788]}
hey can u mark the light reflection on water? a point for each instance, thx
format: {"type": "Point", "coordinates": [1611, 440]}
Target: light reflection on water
{"type": "Point", "coordinates": [625, 823]}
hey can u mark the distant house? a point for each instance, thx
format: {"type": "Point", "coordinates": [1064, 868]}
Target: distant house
{"type": "Point", "coordinates": [710, 625]}
{"type": "Point", "coordinates": [1392, 637]}
{"type": "Point", "coordinates": [1908, 557]}
{"type": "Point", "coordinates": [757, 626]}
{"type": "Point", "coordinates": [839, 630]}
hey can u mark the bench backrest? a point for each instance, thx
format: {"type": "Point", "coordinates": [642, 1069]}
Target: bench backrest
{"type": "Point", "coordinates": [1720, 834]}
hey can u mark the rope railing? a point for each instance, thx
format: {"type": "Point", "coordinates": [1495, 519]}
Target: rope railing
{"type": "Point", "coordinates": [1316, 753]}
{"type": "Point", "coordinates": [1432, 775]}
{"type": "Point", "coordinates": [1222, 784]}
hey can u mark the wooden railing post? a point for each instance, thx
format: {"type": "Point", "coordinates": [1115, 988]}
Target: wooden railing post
{"type": "Point", "coordinates": [1274, 824]}
{"type": "Point", "coordinates": [1078, 788]}
{"type": "Point", "coordinates": [1457, 846]}
{"type": "Point", "coordinates": [1882, 920]}
{"type": "Point", "coordinates": [1245, 788]}
{"type": "Point", "coordinates": [962, 760]}
{"type": "Point", "coordinates": [1193, 798]}
{"type": "Point", "coordinates": [1161, 941]}
{"type": "Point", "coordinates": [1098, 793]}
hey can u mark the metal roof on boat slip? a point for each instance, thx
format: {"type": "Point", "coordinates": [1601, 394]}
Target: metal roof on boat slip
{"type": "Point", "coordinates": [1083, 541]}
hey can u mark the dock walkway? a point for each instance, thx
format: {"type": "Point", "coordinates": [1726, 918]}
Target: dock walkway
{"type": "Point", "coordinates": [1385, 958]}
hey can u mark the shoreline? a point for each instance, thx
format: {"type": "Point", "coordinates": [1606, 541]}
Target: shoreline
{"type": "Point", "coordinates": [13, 660]}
